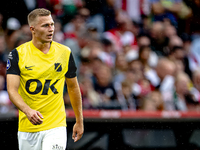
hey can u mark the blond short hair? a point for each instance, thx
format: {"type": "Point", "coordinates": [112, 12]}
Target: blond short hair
{"type": "Point", "coordinates": [37, 12]}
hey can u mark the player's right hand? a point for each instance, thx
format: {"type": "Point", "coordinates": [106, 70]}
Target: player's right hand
{"type": "Point", "coordinates": [35, 117]}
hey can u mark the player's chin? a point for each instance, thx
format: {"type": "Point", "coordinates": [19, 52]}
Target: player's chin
{"type": "Point", "coordinates": [48, 40]}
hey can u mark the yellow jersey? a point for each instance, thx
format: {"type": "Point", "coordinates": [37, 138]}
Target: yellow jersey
{"type": "Point", "coordinates": [42, 79]}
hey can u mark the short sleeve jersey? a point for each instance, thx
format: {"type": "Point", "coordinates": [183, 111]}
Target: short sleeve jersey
{"type": "Point", "coordinates": [42, 78]}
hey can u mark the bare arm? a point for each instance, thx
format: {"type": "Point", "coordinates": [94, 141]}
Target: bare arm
{"type": "Point", "coordinates": [76, 101]}
{"type": "Point", "coordinates": [13, 82]}
{"type": "Point", "coordinates": [157, 8]}
{"type": "Point", "coordinates": [175, 8]}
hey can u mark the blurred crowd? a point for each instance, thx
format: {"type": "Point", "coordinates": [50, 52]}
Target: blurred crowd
{"type": "Point", "coordinates": [130, 54]}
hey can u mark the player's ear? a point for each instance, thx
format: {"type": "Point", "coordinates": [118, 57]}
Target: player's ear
{"type": "Point", "coordinates": [32, 28]}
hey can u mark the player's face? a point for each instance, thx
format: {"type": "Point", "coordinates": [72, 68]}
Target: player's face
{"type": "Point", "coordinates": [43, 29]}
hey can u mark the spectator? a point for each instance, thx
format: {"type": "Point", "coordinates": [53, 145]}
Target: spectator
{"type": "Point", "coordinates": [3, 68]}
{"type": "Point", "coordinates": [3, 53]}
{"type": "Point", "coordinates": [95, 64]}
{"type": "Point", "coordinates": [121, 66]}
{"type": "Point", "coordinates": [183, 99]}
{"type": "Point", "coordinates": [159, 41]}
{"type": "Point", "coordinates": [83, 44]}
{"type": "Point", "coordinates": [179, 66]}
{"type": "Point", "coordinates": [126, 97]}
{"type": "Point", "coordinates": [141, 86]}
{"type": "Point", "coordinates": [121, 35]}
{"type": "Point", "coordinates": [74, 26]}
{"type": "Point", "coordinates": [196, 82]}
{"type": "Point", "coordinates": [174, 41]}
{"type": "Point", "coordinates": [96, 14]}
{"type": "Point", "coordinates": [144, 54]}
{"type": "Point", "coordinates": [144, 40]}
{"type": "Point", "coordinates": [163, 79]}
{"type": "Point", "coordinates": [195, 54]}
{"type": "Point", "coordinates": [170, 30]}
{"type": "Point", "coordinates": [12, 33]}
{"type": "Point", "coordinates": [137, 68]}
{"type": "Point", "coordinates": [153, 102]}
{"type": "Point", "coordinates": [165, 71]}
{"type": "Point", "coordinates": [193, 26]}
{"type": "Point", "coordinates": [108, 55]}
{"type": "Point", "coordinates": [1, 24]}
{"type": "Point", "coordinates": [25, 31]}
{"type": "Point", "coordinates": [95, 21]}
{"type": "Point", "coordinates": [127, 74]}
{"type": "Point", "coordinates": [177, 52]}
{"type": "Point", "coordinates": [104, 86]}
{"type": "Point", "coordinates": [189, 59]}
{"type": "Point", "coordinates": [58, 33]}
{"type": "Point", "coordinates": [91, 99]}
{"type": "Point", "coordinates": [166, 10]}
{"type": "Point", "coordinates": [5, 103]}
{"type": "Point", "coordinates": [135, 9]}
{"type": "Point", "coordinates": [109, 13]}
{"type": "Point", "coordinates": [85, 69]}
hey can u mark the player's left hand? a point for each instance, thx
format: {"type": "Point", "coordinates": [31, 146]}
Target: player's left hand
{"type": "Point", "coordinates": [78, 130]}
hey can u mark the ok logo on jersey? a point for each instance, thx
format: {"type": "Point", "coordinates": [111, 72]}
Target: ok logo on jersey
{"type": "Point", "coordinates": [39, 86]}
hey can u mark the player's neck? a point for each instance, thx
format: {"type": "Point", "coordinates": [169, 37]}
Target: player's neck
{"type": "Point", "coordinates": [43, 47]}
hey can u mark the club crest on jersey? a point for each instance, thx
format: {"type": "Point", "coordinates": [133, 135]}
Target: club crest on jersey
{"type": "Point", "coordinates": [58, 67]}
{"type": "Point", "coordinates": [8, 64]}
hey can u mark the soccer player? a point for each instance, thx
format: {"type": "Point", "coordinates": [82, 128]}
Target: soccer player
{"type": "Point", "coordinates": [36, 74]}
